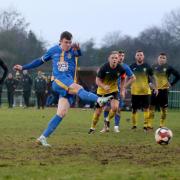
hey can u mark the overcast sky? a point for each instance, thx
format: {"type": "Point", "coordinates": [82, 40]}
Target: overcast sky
{"type": "Point", "coordinates": [90, 18]}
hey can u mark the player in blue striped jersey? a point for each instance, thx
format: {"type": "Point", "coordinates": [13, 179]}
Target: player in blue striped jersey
{"type": "Point", "coordinates": [63, 58]}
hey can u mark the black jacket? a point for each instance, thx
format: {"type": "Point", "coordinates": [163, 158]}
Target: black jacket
{"type": "Point", "coordinates": [26, 83]}
{"type": "Point", "coordinates": [4, 67]}
{"type": "Point", "coordinates": [40, 85]}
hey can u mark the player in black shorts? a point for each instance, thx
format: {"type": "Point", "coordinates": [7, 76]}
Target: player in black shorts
{"type": "Point", "coordinates": [140, 89]}
{"type": "Point", "coordinates": [162, 72]}
{"type": "Point", "coordinates": [106, 81]}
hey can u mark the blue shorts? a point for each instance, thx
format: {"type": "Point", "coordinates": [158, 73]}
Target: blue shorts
{"type": "Point", "coordinates": [61, 86]}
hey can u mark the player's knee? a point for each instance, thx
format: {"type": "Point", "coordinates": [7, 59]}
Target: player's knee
{"type": "Point", "coordinates": [98, 112]}
{"type": "Point", "coordinates": [62, 112]}
{"type": "Point", "coordinates": [77, 87]}
{"type": "Point", "coordinates": [114, 108]}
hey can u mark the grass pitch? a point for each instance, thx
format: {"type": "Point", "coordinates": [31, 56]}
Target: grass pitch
{"type": "Point", "coordinates": [77, 155]}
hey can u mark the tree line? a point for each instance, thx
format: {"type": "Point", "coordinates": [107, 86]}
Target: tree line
{"type": "Point", "coordinates": [20, 45]}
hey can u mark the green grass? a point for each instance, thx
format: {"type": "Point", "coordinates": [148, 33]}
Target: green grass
{"type": "Point", "coordinates": [77, 155]}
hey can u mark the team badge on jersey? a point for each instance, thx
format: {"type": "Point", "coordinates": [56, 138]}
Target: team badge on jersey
{"type": "Point", "coordinates": [62, 66]}
{"type": "Point", "coordinates": [144, 69]}
{"type": "Point", "coordinates": [69, 56]}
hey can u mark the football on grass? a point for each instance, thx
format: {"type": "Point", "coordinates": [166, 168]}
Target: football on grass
{"type": "Point", "coordinates": [163, 135]}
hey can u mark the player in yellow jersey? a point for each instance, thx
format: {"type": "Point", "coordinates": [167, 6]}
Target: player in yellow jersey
{"type": "Point", "coordinates": [162, 72]}
{"type": "Point", "coordinates": [106, 81]}
{"type": "Point", "coordinates": [140, 89]}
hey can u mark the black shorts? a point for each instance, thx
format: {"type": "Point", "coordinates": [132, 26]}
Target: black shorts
{"type": "Point", "coordinates": [161, 99]}
{"type": "Point", "coordinates": [114, 94]}
{"type": "Point", "coordinates": [140, 101]}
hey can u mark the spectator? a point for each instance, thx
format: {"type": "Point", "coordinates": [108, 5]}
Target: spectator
{"type": "Point", "coordinates": [40, 88]}
{"type": "Point", "coordinates": [26, 87]}
{"type": "Point", "coordinates": [11, 85]}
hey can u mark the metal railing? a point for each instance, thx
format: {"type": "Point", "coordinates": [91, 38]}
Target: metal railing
{"type": "Point", "coordinates": [173, 98]}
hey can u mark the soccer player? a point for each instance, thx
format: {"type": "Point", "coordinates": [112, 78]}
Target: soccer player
{"type": "Point", "coordinates": [140, 89]}
{"type": "Point", "coordinates": [162, 72]}
{"type": "Point", "coordinates": [5, 69]}
{"type": "Point", "coordinates": [130, 77]}
{"type": "Point", "coordinates": [106, 81]}
{"type": "Point", "coordinates": [63, 58]}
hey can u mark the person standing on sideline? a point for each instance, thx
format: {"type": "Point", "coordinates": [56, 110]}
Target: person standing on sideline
{"type": "Point", "coordinates": [40, 88]}
{"type": "Point", "coordinates": [5, 69]}
{"type": "Point", "coordinates": [26, 87]}
{"type": "Point", "coordinates": [11, 85]}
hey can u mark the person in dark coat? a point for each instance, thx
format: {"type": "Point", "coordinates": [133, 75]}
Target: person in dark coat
{"type": "Point", "coordinates": [26, 86]}
{"type": "Point", "coordinates": [2, 78]}
{"type": "Point", "coordinates": [40, 87]}
{"type": "Point", "coordinates": [11, 85]}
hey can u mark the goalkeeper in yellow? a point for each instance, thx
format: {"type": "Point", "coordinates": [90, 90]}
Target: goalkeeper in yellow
{"type": "Point", "coordinates": [162, 72]}
{"type": "Point", "coordinates": [140, 89]}
{"type": "Point", "coordinates": [106, 81]}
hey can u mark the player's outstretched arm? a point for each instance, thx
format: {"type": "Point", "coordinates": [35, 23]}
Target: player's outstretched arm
{"type": "Point", "coordinates": [31, 65]}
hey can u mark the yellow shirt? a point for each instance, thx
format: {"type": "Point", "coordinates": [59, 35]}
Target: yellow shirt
{"type": "Point", "coordinates": [141, 85]}
{"type": "Point", "coordinates": [109, 77]}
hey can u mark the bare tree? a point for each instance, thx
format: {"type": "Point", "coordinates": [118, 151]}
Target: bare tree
{"type": "Point", "coordinates": [12, 20]}
{"type": "Point", "coordinates": [171, 22]}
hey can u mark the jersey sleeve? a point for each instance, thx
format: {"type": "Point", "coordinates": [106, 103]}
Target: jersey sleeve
{"type": "Point", "coordinates": [128, 70]}
{"type": "Point", "coordinates": [102, 72]}
{"type": "Point", "coordinates": [175, 74]}
{"type": "Point", "coordinates": [149, 70]}
{"type": "Point", "coordinates": [123, 76]}
{"type": "Point", "coordinates": [122, 71]}
{"type": "Point", "coordinates": [48, 55]}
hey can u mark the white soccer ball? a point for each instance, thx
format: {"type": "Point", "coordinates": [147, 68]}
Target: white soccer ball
{"type": "Point", "coordinates": [163, 135]}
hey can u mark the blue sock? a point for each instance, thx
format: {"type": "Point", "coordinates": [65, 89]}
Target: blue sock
{"type": "Point", "coordinates": [106, 113]}
{"type": "Point", "coordinates": [87, 96]}
{"type": "Point", "coordinates": [52, 125]}
{"type": "Point", "coordinates": [117, 119]}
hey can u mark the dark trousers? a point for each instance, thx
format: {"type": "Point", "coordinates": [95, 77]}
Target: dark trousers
{"type": "Point", "coordinates": [40, 99]}
{"type": "Point", "coordinates": [10, 98]}
{"type": "Point", "coordinates": [26, 96]}
{"type": "Point", "coordinates": [1, 94]}
{"type": "Point", "coordinates": [0, 97]}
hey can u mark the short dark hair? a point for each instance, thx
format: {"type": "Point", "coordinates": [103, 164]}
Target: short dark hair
{"type": "Point", "coordinates": [121, 51]}
{"type": "Point", "coordinates": [67, 35]}
{"type": "Point", "coordinates": [162, 54]}
{"type": "Point", "coordinates": [139, 50]}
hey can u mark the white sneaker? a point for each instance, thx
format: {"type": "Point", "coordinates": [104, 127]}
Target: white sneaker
{"type": "Point", "coordinates": [116, 129]}
{"type": "Point", "coordinates": [103, 100]}
{"type": "Point", "coordinates": [42, 141]}
{"type": "Point", "coordinates": [104, 129]}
